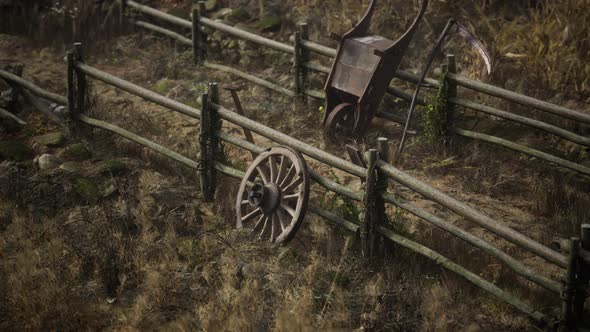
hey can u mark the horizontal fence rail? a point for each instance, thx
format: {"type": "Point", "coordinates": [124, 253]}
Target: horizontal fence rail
{"type": "Point", "coordinates": [453, 78]}
{"type": "Point", "coordinates": [523, 149]}
{"type": "Point", "coordinates": [515, 265]}
{"type": "Point", "coordinates": [329, 159]}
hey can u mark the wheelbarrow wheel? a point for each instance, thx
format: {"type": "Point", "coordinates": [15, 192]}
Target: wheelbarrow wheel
{"type": "Point", "coordinates": [339, 123]}
{"type": "Point", "coordinates": [272, 199]}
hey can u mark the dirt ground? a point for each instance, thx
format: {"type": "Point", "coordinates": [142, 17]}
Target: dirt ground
{"type": "Point", "coordinates": [122, 241]}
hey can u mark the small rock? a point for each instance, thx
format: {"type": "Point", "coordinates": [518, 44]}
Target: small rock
{"type": "Point", "coordinates": [71, 166]}
{"type": "Point", "coordinates": [109, 191]}
{"type": "Point", "coordinates": [86, 187]}
{"type": "Point", "coordinates": [77, 151]}
{"type": "Point", "coordinates": [269, 23]}
{"type": "Point", "coordinates": [238, 15]}
{"type": "Point", "coordinates": [210, 5]}
{"type": "Point", "coordinates": [47, 161]}
{"type": "Point", "coordinates": [222, 13]}
{"type": "Point", "coordinates": [51, 139]}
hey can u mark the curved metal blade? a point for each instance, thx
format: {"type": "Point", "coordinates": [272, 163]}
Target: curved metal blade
{"type": "Point", "coordinates": [472, 39]}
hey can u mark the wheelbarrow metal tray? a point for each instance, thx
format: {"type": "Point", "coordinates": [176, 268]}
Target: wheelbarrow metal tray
{"type": "Point", "coordinates": [357, 63]}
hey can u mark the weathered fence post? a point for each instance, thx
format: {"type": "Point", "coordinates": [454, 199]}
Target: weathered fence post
{"type": "Point", "coordinates": [304, 57]}
{"type": "Point", "coordinates": [568, 292]}
{"type": "Point", "coordinates": [81, 84]}
{"type": "Point", "coordinates": [583, 273]}
{"type": "Point", "coordinates": [297, 67]}
{"type": "Point", "coordinates": [368, 231]}
{"type": "Point", "coordinates": [382, 186]}
{"type": "Point", "coordinates": [71, 94]}
{"type": "Point", "coordinates": [209, 143]}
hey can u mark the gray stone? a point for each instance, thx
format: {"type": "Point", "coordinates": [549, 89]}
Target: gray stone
{"type": "Point", "coordinates": [47, 161]}
{"type": "Point", "coordinates": [51, 139]}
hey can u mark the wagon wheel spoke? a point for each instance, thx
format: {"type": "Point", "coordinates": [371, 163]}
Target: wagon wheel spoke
{"type": "Point", "coordinates": [282, 166]}
{"type": "Point", "coordinates": [266, 227]}
{"type": "Point", "coordinates": [293, 185]}
{"type": "Point", "coordinates": [263, 172]}
{"type": "Point", "coordinates": [290, 197]}
{"type": "Point", "coordinates": [276, 227]}
{"type": "Point", "coordinates": [272, 167]}
{"type": "Point", "coordinates": [258, 223]}
{"type": "Point", "coordinates": [284, 219]}
{"type": "Point", "coordinates": [256, 212]}
{"type": "Point", "coordinates": [288, 176]}
{"type": "Point", "coordinates": [288, 209]}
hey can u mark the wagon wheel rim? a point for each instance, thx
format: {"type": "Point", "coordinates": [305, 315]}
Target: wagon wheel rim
{"type": "Point", "coordinates": [339, 123]}
{"type": "Point", "coordinates": [273, 195]}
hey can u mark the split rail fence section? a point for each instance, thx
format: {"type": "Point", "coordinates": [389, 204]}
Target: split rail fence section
{"type": "Point", "coordinates": [572, 289]}
{"type": "Point", "coordinates": [303, 65]}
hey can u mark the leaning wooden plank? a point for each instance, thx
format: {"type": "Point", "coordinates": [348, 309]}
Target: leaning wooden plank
{"type": "Point", "coordinates": [33, 88]}
{"type": "Point", "coordinates": [468, 275]}
{"type": "Point", "coordinates": [139, 140]}
{"type": "Point", "coordinates": [531, 152]}
{"type": "Point", "coordinates": [523, 120]}
{"type": "Point", "coordinates": [176, 36]}
{"type": "Point", "coordinates": [251, 78]}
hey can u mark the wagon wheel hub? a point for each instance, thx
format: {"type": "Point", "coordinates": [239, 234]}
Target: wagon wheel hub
{"type": "Point", "coordinates": [267, 197]}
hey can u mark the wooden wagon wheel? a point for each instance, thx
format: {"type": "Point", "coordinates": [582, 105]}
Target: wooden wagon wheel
{"type": "Point", "coordinates": [339, 123]}
{"type": "Point", "coordinates": [273, 195]}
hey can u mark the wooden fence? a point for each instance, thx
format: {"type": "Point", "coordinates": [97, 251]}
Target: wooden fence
{"type": "Point", "coordinates": [576, 264]}
{"type": "Point", "coordinates": [303, 47]}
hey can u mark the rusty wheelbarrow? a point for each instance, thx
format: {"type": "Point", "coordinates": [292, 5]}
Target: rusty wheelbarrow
{"type": "Point", "coordinates": [361, 72]}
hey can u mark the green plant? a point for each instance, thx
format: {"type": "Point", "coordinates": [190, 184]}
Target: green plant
{"type": "Point", "coordinates": [433, 120]}
{"type": "Point", "coordinates": [341, 205]}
